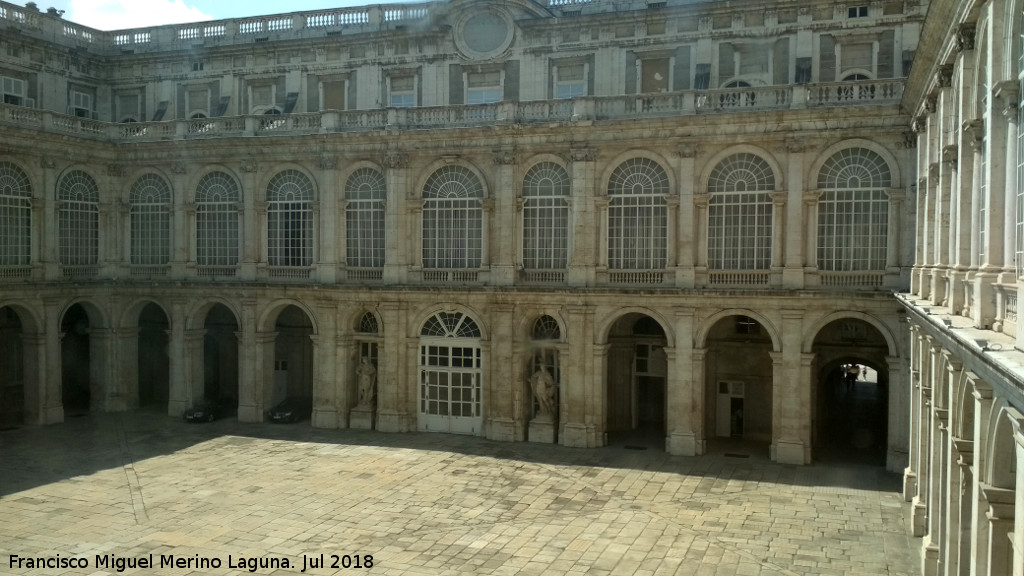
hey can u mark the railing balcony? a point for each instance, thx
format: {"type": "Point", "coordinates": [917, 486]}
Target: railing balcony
{"type": "Point", "coordinates": [215, 272]}
{"type": "Point", "coordinates": [859, 280]}
{"type": "Point", "coordinates": [364, 274]}
{"type": "Point", "coordinates": [87, 272]}
{"type": "Point", "coordinates": [671, 104]}
{"type": "Point", "coordinates": [15, 273]}
{"type": "Point", "coordinates": [738, 278]}
{"type": "Point", "coordinates": [549, 277]}
{"type": "Point", "coordinates": [637, 277]}
{"type": "Point", "coordinates": [148, 272]}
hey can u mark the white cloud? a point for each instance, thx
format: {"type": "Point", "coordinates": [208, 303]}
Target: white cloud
{"type": "Point", "coordinates": [120, 14]}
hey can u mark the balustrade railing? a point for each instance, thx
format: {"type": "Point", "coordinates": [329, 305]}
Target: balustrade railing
{"type": "Point", "coordinates": [542, 276]}
{"type": "Point", "coordinates": [738, 277]}
{"type": "Point", "coordinates": [833, 279]}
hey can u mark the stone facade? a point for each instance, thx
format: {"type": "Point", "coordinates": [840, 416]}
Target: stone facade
{"type": "Point", "coordinates": [690, 213]}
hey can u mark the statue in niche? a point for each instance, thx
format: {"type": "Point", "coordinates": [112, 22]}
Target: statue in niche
{"type": "Point", "coordinates": [367, 376]}
{"type": "Point", "coordinates": [543, 386]}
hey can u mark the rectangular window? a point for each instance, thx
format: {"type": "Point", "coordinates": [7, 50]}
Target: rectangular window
{"type": "Point", "coordinates": [128, 109]}
{"type": "Point", "coordinates": [570, 81]}
{"type": "Point", "coordinates": [654, 75]}
{"type": "Point", "coordinates": [14, 91]}
{"type": "Point", "coordinates": [198, 102]}
{"type": "Point", "coordinates": [332, 94]}
{"type": "Point", "coordinates": [262, 98]}
{"type": "Point", "coordinates": [402, 91]}
{"type": "Point", "coordinates": [483, 87]}
{"type": "Point", "coordinates": [858, 12]}
{"type": "Point", "coordinates": [81, 104]}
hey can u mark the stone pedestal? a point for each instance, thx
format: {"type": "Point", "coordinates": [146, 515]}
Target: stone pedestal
{"type": "Point", "coordinates": [682, 444]}
{"type": "Point", "coordinates": [790, 453]}
{"type": "Point", "coordinates": [542, 430]}
{"type": "Point", "coordinates": [361, 418]}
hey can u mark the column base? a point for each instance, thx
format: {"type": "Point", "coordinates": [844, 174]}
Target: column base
{"type": "Point", "coordinates": [682, 444]}
{"type": "Point", "coordinates": [177, 407]}
{"type": "Point", "coordinates": [361, 418]}
{"type": "Point", "coordinates": [392, 421]}
{"type": "Point", "coordinates": [52, 415]}
{"type": "Point", "coordinates": [250, 414]}
{"type": "Point", "coordinates": [918, 517]}
{"type": "Point", "coordinates": [896, 460]}
{"type": "Point", "coordinates": [324, 418]}
{"type": "Point", "coordinates": [791, 453]}
{"type": "Point", "coordinates": [580, 436]}
{"type": "Point", "coordinates": [542, 430]}
{"type": "Point", "coordinates": [909, 485]}
{"type": "Point", "coordinates": [929, 560]}
{"type": "Point", "coordinates": [501, 429]}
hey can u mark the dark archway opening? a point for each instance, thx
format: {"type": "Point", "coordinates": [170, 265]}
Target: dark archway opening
{"type": "Point", "coordinates": [12, 370]}
{"type": "Point", "coordinates": [76, 366]}
{"type": "Point", "coordinates": [851, 410]}
{"type": "Point", "coordinates": [220, 355]}
{"type": "Point", "coordinates": [637, 370]}
{"type": "Point", "coordinates": [153, 361]}
{"type": "Point", "coordinates": [293, 360]}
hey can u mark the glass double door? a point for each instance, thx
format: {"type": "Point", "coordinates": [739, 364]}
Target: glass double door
{"type": "Point", "coordinates": [450, 390]}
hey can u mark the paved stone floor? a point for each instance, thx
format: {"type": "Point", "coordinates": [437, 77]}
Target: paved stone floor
{"type": "Point", "coordinates": [127, 486]}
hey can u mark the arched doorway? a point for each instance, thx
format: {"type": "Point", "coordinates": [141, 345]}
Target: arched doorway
{"type": "Point", "coordinates": [220, 355]}
{"type": "Point", "coordinates": [293, 359]}
{"type": "Point", "coordinates": [637, 369]}
{"type": "Point", "coordinates": [451, 379]}
{"type": "Point", "coordinates": [738, 386]}
{"type": "Point", "coordinates": [851, 410]}
{"type": "Point", "coordinates": [153, 362]}
{"type": "Point", "coordinates": [13, 392]}
{"type": "Point", "coordinates": [77, 390]}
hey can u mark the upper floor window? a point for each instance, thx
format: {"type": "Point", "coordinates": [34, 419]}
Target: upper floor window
{"type": "Point", "coordinates": [217, 220]}
{"type": "Point", "coordinates": [655, 75]}
{"type": "Point", "coordinates": [853, 212]}
{"type": "Point", "coordinates": [78, 220]}
{"type": "Point", "coordinates": [484, 87]}
{"type": "Point", "coordinates": [150, 201]}
{"type": "Point", "coordinates": [452, 219]}
{"type": "Point", "coordinates": [570, 81]}
{"type": "Point", "coordinates": [334, 93]}
{"type": "Point", "coordinates": [402, 91]}
{"type": "Point", "coordinates": [546, 217]}
{"type": "Point", "coordinates": [740, 214]}
{"type": "Point", "coordinates": [15, 92]}
{"type": "Point", "coordinates": [857, 12]}
{"type": "Point", "coordinates": [81, 104]}
{"type": "Point", "coordinates": [638, 216]}
{"type": "Point", "coordinates": [15, 216]}
{"type": "Point", "coordinates": [290, 220]}
{"type": "Point", "coordinates": [365, 193]}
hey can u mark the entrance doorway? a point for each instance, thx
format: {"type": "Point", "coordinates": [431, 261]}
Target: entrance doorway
{"type": "Point", "coordinates": [153, 362]}
{"type": "Point", "coordinates": [637, 370]}
{"type": "Point", "coordinates": [76, 368]}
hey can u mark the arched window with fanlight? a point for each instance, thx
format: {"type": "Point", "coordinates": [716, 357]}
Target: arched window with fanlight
{"type": "Point", "coordinates": [451, 372]}
{"type": "Point", "coordinates": [290, 220]}
{"type": "Point", "coordinates": [638, 216]}
{"type": "Point", "coordinates": [365, 192]}
{"type": "Point", "coordinates": [853, 211]}
{"type": "Point", "coordinates": [740, 213]}
{"type": "Point", "coordinates": [15, 216]}
{"type": "Point", "coordinates": [150, 237]}
{"type": "Point", "coordinates": [452, 219]}
{"type": "Point", "coordinates": [546, 217]}
{"type": "Point", "coordinates": [217, 220]}
{"type": "Point", "coordinates": [78, 221]}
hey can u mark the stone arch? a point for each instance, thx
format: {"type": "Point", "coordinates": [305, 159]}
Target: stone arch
{"type": "Point", "coordinates": [21, 384]}
{"type": "Point", "coordinates": [189, 194]}
{"type": "Point", "coordinates": [815, 328]}
{"type": "Point", "coordinates": [700, 340]}
{"type": "Point", "coordinates": [132, 177]}
{"type": "Point", "coordinates": [35, 190]}
{"type": "Point", "coordinates": [603, 328]}
{"type": "Point", "coordinates": [268, 177]}
{"type": "Point", "coordinates": [621, 158]}
{"type": "Point", "coordinates": [714, 161]}
{"type": "Point", "coordinates": [635, 373]}
{"type": "Point", "coordinates": [271, 311]}
{"type": "Point", "coordinates": [827, 153]}
{"type": "Point", "coordinates": [345, 173]}
{"type": "Point", "coordinates": [535, 159]}
{"type": "Point", "coordinates": [95, 312]}
{"type": "Point", "coordinates": [31, 319]}
{"type": "Point", "coordinates": [430, 169]}
{"type": "Point", "coordinates": [195, 318]}
{"type": "Point", "coordinates": [1001, 458]}
{"type": "Point", "coordinates": [132, 309]}
{"type": "Point", "coordinates": [417, 320]}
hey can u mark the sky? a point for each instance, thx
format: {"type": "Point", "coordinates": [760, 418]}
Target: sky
{"type": "Point", "coordinates": [120, 14]}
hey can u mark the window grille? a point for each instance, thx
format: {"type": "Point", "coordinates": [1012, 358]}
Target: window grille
{"type": "Point", "coordinates": [450, 325]}
{"type": "Point", "coordinates": [450, 375]}
{"type": "Point", "coordinates": [452, 219]}
{"type": "Point", "coordinates": [78, 221]}
{"type": "Point", "coordinates": [150, 201]}
{"type": "Point", "coordinates": [364, 218]}
{"type": "Point", "coordinates": [290, 220]}
{"type": "Point", "coordinates": [740, 214]}
{"type": "Point", "coordinates": [217, 220]}
{"type": "Point", "coordinates": [367, 324]}
{"type": "Point", "coordinates": [638, 216]}
{"type": "Point", "coordinates": [15, 216]}
{"type": "Point", "coordinates": [546, 328]}
{"type": "Point", "coordinates": [853, 212]}
{"type": "Point", "coordinates": [546, 217]}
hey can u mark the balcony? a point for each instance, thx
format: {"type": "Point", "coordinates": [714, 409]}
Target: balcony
{"type": "Point", "coordinates": [672, 104]}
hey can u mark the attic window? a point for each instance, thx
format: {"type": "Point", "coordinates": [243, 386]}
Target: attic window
{"type": "Point", "coordinates": [858, 12]}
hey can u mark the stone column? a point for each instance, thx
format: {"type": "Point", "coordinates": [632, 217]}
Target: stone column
{"type": "Point", "coordinates": [182, 213]}
{"type": "Point", "coordinates": [681, 390]}
{"type": "Point", "coordinates": [913, 391]}
{"type": "Point", "coordinates": [397, 247]}
{"type": "Point", "coordinates": [1001, 519]}
{"type": "Point", "coordinates": [793, 244]}
{"type": "Point", "coordinates": [503, 221]}
{"type": "Point", "coordinates": [700, 206]}
{"type": "Point", "coordinates": [791, 394]}
{"type": "Point", "coordinates": [900, 420]}
{"type": "Point", "coordinates": [266, 345]}
{"type": "Point", "coordinates": [127, 351]}
{"type": "Point", "coordinates": [179, 394]}
{"type": "Point", "coordinates": [195, 379]}
{"type": "Point", "coordinates": [810, 253]}
{"type": "Point", "coordinates": [48, 230]}
{"type": "Point", "coordinates": [1017, 540]}
{"type": "Point", "coordinates": [249, 374]}
{"type": "Point", "coordinates": [34, 376]}
{"type": "Point", "coordinates": [252, 224]}
{"type": "Point", "coordinates": [965, 515]}
{"type": "Point", "coordinates": [686, 229]}
{"type": "Point", "coordinates": [577, 427]}
{"type": "Point", "coordinates": [778, 228]}
{"type": "Point", "coordinates": [982, 398]}
{"type": "Point", "coordinates": [582, 238]}
{"type": "Point", "coordinates": [51, 409]}
{"type": "Point", "coordinates": [328, 223]}
{"type": "Point", "coordinates": [393, 369]}
{"type": "Point", "coordinates": [500, 425]}
{"type": "Point", "coordinates": [1007, 98]}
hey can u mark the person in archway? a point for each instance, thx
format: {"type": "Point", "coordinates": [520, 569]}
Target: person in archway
{"type": "Point", "coordinates": [852, 373]}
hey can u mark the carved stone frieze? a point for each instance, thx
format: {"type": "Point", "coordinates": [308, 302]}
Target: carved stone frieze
{"type": "Point", "coordinates": [687, 150]}
{"type": "Point", "coordinates": [909, 141]}
{"type": "Point", "coordinates": [47, 162]}
{"type": "Point", "coordinates": [394, 159]}
{"type": "Point", "coordinates": [327, 162]}
{"type": "Point", "coordinates": [503, 156]}
{"type": "Point", "coordinates": [950, 155]}
{"type": "Point", "coordinates": [115, 170]}
{"type": "Point", "coordinates": [1006, 98]}
{"type": "Point", "coordinates": [584, 154]}
{"type": "Point", "coordinates": [249, 166]}
{"type": "Point", "coordinates": [974, 133]}
{"type": "Point", "coordinates": [179, 168]}
{"type": "Point", "coordinates": [965, 37]}
{"type": "Point", "coordinates": [930, 102]}
{"type": "Point", "coordinates": [944, 76]}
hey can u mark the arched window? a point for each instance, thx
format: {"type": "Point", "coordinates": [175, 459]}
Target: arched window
{"type": "Point", "coordinates": [217, 220]}
{"type": "Point", "coordinates": [740, 213]}
{"type": "Point", "coordinates": [15, 216]}
{"type": "Point", "coordinates": [452, 219]}
{"type": "Point", "coordinates": [365, 193]}
{"type": "Point", "coordinates": [450, 374]}
{"type": "Point", "coordinates": [546, 217]}
{"type": "Point", "coordinates": [290, 220]}
{"type": "Point", "coordinates": [150, 201]}
{"type": "Point", "coordinates": [638, 216]}
{"type": "Point", "coordinates": [79, 219]}
{"type": "Point", "coordinates": [853, 213]}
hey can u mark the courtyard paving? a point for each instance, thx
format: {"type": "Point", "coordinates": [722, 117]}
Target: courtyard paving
{"type": "Point", "coordinates": [124, 488]}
